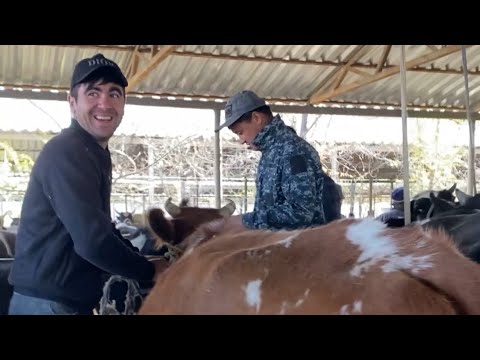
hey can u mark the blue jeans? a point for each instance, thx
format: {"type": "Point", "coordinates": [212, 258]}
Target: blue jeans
{"type": "Point", "coordinates": [28, 305]}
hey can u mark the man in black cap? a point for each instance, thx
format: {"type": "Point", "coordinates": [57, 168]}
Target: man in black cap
{"type": "Point", "coordinates": [66, 242]}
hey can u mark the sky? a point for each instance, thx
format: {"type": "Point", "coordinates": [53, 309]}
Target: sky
{"type": "Point", "coordinates": [49, 115]}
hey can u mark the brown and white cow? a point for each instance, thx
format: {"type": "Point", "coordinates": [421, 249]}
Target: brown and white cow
{"type": "Point", "coordinates": [185, 219]}
{"type": "Point", "coordinates": [349, 266]}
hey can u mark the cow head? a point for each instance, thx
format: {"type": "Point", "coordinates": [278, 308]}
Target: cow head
{"type": "Point", "coordinates": [185, 220]}
{"type": "Point", "coordinates": [447, 194]}
{"type": "Point", "coordinates": [125, 217]}
{"type": "Point", "coordinates": [424, 204]}
{"type": "Point", "coordinates": [468, 201]}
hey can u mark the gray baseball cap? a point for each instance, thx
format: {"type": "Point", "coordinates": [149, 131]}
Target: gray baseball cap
{"type": "Point", "coordinates": [239, 104]}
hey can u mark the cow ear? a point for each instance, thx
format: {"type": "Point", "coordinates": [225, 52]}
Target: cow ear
{"type": "Point", "coordinates": [228, 209]}
{"type": "Point", "coordinates": [160, 226]}
{"type": "Point", "coordinates": [171, 208]}
{"type": "Point", "coordinates": [462, 197]}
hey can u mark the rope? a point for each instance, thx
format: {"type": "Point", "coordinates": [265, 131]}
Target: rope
{"type": "Point", "coordinates": [108, 307]}
{"type": "Point", "coordinates": [173, 252]}
{"type": "Point", "coordinates": [134, 291]}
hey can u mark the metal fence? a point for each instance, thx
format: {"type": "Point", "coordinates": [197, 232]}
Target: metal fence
{"type": "Point", "coordinates": [362, 199]}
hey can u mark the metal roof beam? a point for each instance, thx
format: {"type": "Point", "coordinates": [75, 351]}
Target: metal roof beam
{"type": "Point", "coordinates": [331, 75]}
{"type": "Point", "coordinates": [132, 66]}
{"type": "Point", "coordinates": [383, 58]}
{"type": "Point", "coordinates": [319, 97]}
{"type": "Point", "coordinates": [346, 68]}
{"type": "Point", "coordinates": [354, 67]}
{"type": "Point", "coordinates": [161, 55]}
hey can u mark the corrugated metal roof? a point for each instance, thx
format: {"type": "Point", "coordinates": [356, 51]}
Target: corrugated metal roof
{"type": "Point", "coordinates": [287, 73]}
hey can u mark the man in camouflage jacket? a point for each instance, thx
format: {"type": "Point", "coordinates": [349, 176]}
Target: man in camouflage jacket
{"type": "Point", "coordinates": [289, 177]}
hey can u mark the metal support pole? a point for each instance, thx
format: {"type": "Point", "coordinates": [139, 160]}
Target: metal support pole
{"type": "Point", "coordinates": [151, 172]}
{"type": "Point", "coordinates": [218, 186]}
{"type": "Point", "coordinates": [406, 166]}
{"type": "Point", "coordinates": [370, 197]}
{"type": "Point", "coordinates": [245, 195]}
{"type": "Point", "coordinates": [471, 129]}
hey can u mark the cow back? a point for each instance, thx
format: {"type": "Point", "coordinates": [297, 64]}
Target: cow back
{"type": "Point", "coordinates": [345, 267]}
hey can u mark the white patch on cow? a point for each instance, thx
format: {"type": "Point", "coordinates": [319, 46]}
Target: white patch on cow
{"type": "Point", "coordinates": [415, 263]}
{"type": "Point", "coordinates": [288, 241]}
{"type": "Point", "coordinates": [302, 299]}
{"type": "Point", "coordinates": [188, 252]}
{"type": "Point", "coordinates": [305, 294]}
{"type": "Point", "coordinates": [420, 244]}
{"type": "Point", "coordinates": [267, 252]}
{"type": "Point", "coordinates": [357, 306]}
{"type": "Point", "coordinates": [375, 248]}
{"type": "Point", "coordinates": [299, 302]}
{"type": "Point", "coordinates": [253, 295]}
{"type": "Point", "coordinates": [350, 309]}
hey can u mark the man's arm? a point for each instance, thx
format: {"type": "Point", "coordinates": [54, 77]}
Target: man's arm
{"type": "Point", "coordinates": [73, 185]}
{"type": "Point", "coordinates": [298, 187]}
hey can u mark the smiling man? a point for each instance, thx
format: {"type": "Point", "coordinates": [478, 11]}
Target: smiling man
{"type": "Point", "coordinates": [66, 242]}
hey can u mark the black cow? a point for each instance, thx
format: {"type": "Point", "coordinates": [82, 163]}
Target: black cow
{"type": "Point", "coordinates": [6, 290]}
{"type": "Point", "coordinates": [461, 220]}
{"type": "Point", "coordinates": [7, 244]}
{"type": "Point", "coordinates": [124, 217]}
{"type": "Point", "coordinates": [465, 230]}
{"type": "Point", "coordinates": [422, 206]}
{"type": "Point", "coordinates": [466, 204]}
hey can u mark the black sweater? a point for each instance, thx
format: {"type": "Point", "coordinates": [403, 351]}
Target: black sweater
{"type": "Point", "coordinates": [65, 240]}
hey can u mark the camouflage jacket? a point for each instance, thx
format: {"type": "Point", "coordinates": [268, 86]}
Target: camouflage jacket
{"type": "Point", "coordinates": [289, 181]}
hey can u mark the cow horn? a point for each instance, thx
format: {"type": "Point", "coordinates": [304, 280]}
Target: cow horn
{"type": "Point", "coordinates": [228, 209]}
{"type": "Point", "coordinates": [172, 209]}
{"type": "Point", "coordinates": [462, 197]}
{"type": "Point", "coordinates": [452, 189]}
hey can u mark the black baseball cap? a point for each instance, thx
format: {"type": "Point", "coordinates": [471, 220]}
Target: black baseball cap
{"type": "Point", "coordinates": [88, 66]}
